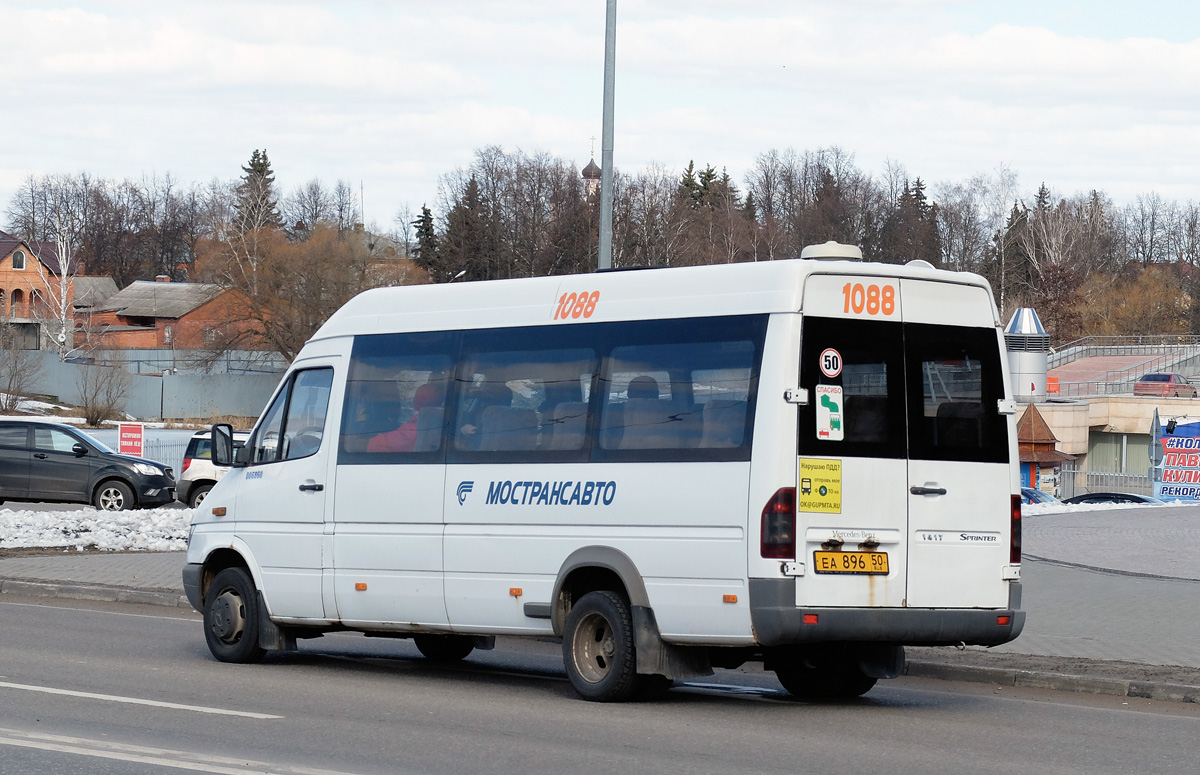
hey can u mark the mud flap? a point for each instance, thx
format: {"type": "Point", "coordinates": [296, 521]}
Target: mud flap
{"type": "Point", "coordinates": [271, 636]}
{"type": "Point", "coordinates": [656, 657]}
{"type": "Point", "coordinates": [880, 660]}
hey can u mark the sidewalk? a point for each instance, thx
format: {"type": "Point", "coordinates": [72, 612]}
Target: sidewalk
{"type": "Point", "coordinates": [1103, 590]}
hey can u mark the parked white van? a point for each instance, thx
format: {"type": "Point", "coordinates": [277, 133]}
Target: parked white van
{"type": "Point", "coordinates": [807, 462]}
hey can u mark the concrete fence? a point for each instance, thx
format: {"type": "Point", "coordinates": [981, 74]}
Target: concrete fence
{"type": "Point", "coordinates": [165, 396]}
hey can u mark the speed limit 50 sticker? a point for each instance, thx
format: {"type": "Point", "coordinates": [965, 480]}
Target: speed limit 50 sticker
{"type": "Point", "coordinates": [831, 362]}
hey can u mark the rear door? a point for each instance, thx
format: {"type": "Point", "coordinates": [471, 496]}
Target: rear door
{"type": "Point", "coordinates": [56, 472]}
{"type": "Point", "coordinates": [960, 445]}
{"type": "Point", "coordinates": [904, 481]}
{"type": "Point", "coordinates": [14, 461]}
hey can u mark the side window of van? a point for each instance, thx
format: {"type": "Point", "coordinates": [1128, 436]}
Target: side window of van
{"type": "Point", "coordinates": [523, 395]}
{"type": "Point", "coordinates": [294, 424]}
{"type": "Point", "coordinates": [396, 398]}
{"type": "Point", "coordinates": [680, 390]}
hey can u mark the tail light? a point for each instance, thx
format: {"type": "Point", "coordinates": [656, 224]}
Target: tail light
{"type": "Point", "coordinates": [1014, 545]}
{"type": "Point", "coordinates": [187, 461]}
{"type": "Point", "coordinates": [778, 536]}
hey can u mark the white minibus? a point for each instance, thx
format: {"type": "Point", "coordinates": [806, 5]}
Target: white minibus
{"type": "Point", "coordinates": [808, 462]}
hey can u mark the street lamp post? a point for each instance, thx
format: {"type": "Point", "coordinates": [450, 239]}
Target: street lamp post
{"type": "Point", "coordinates": [606, 140]}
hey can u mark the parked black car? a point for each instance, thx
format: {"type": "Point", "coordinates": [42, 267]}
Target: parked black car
{"type": "Point", "coordinates": [1114, 497]}
{"type": "Point", "coordinates": [55, 463]}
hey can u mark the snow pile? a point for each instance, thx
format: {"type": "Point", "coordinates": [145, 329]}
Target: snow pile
{"type": "Point", "coordinates": [1066, 508]}
{"type": "Point", "coordinates": [149, 530]}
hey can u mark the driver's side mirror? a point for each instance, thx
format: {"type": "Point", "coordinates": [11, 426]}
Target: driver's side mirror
{"type": "Point", "coordinates": [79, 449]}
{"type": "Point", "coordinates": [223, 452]}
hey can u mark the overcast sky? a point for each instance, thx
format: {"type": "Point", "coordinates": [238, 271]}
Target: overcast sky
{"type": "Point", "coordinates": [1079, 94]}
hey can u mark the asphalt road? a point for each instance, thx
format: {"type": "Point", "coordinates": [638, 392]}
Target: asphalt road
{"type": "Point", "coordinates": [146, 697]}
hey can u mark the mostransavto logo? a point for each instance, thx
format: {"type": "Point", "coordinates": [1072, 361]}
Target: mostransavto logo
{"type": "Point", "coordinates": [463, 489]}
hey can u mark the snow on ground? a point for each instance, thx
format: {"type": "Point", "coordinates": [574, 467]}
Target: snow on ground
{"type": "Point", "coordinates": [1067, 508]}
{"type": "Point", "coordinates": [148, 530]}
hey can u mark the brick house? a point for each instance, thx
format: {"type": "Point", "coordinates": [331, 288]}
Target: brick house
{"type": "Point", "coordinates": [164, 314]}
{"type": "Point", "coordinates": [22, 288]}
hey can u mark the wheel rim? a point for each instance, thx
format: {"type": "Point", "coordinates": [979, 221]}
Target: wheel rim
{"type": "Point", "coordinates": [594, 646]}
{"type": "Point", "coordinates": [111, 499]}
{"type": "Point", "coordinates": [228, 617]}
{"type": "Point", "coordinates": [199, 498]}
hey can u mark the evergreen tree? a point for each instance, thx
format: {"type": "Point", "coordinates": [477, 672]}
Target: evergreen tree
{"type": "Point", "coordinates": [467, 245]}
{"type": "Point", "coordinates": [426, 254]}
{"type": "Point", "coordinates": [257, 203]}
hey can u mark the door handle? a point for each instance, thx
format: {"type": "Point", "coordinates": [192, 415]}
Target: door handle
{"type": "Point", "coordinates": [919, 490]}
{"type": "Point", "coordinates": [40, 455]}
{"type": "Point", "coordinates": [311, 487]}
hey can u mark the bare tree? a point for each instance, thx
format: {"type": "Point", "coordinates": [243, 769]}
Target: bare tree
{"type": "Point", "coordinates": [67, 199]}
{"type": "Point", "coordinates": [19, 368]}
{"type": "Point", "coordinates": [103, 390]}
{"type": "Point", "coordinates": [307, 206]}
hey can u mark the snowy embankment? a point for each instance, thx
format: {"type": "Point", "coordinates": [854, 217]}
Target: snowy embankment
{"type": "Point", "coordinates": [148, 530]}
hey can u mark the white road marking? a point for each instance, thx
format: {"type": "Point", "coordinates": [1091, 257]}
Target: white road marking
{"type": "Point", "coordinates": [190, 616]}
{"type": "Point", "coordinates": [181, 760]}
{"type": "Point", "coordinates": [137, 701]}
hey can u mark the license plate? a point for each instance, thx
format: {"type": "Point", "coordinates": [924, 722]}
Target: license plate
{"type": "Point", "coordinates": [870, 563]}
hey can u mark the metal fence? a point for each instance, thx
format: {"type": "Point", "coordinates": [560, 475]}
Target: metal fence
{"type": "Point", "coordinates": [1171, 353]}
{"type": "Point", "coordinates": [1074, 482]}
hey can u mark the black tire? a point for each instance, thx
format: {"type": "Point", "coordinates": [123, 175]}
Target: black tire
{"type": "Point", "coordinates": [197, 495]}
{"type": "Point", "coordinates": [113, 495]}
{"type": "Point", "coordinates": [444, 648]}
{"type": "Point", "coordinates": [231, 617]}
{"type": "Point", "coordinates": [598, 649]}
{"type": "Point", "coordinates": [840, 679]}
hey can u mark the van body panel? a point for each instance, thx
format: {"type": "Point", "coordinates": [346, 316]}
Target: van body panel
{"type": "Point", "coordinates": [387, 534]}
{"type": "Point", "coordinates": [959, 542]}
{"type": "Point", "coordinates": [873, 508]}
{"type": "Point", "coordinates": [682, 527]}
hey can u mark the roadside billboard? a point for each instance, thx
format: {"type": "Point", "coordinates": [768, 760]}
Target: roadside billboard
{"type": "Point", "coordinates": [1175, 459]}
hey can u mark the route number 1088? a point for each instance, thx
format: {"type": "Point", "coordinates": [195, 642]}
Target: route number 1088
{"type": "Point", "coordinates": [871, 299]}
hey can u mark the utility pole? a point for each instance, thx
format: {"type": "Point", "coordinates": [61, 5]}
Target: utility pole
{"type": "Point", "coordinates": [606, 139]}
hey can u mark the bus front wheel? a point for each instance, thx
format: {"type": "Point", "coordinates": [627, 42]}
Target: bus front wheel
{"type": "Point", "coordinates": [231, 617]}
{"type": "Point", "coordinates": [444, 648]}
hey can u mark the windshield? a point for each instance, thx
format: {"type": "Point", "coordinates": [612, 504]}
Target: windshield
{"type": "Point", "coordinates": [91, 440]}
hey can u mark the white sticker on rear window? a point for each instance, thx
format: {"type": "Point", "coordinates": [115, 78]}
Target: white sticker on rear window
{"type": "Point", "coordinates": [830, 417]}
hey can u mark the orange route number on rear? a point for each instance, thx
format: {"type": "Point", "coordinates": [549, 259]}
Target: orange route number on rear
{"type": "Point", "coordinates": [576, 305]}
{"type": "Point", "coordinates": [871, 299]}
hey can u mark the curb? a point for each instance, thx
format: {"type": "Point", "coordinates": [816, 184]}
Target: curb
{"type": "Point", "coordinates": [72, 591]}
{"type": "Point", "coordinates": [1031, 679]}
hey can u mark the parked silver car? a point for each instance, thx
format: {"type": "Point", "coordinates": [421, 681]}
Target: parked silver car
{"type": "Point", "coordinates": [197, 475]}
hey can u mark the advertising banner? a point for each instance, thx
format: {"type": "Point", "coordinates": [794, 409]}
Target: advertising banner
{"type": "Point", "coordinates": [130, 438]}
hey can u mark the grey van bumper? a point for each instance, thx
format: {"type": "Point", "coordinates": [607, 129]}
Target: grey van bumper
{"type": "Point", "coordinates": [778, 621]}
{"type": "Point", "coordinates": [193, 572]}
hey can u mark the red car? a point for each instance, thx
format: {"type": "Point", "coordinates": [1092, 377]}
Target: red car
{"type": "Point", "coordinates": [1164, 386]}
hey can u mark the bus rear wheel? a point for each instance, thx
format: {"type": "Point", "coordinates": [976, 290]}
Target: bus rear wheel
{"type": "Point", "coordinates": [835, 679]}
{"type": "Point", "coordinates": [598, 648]}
